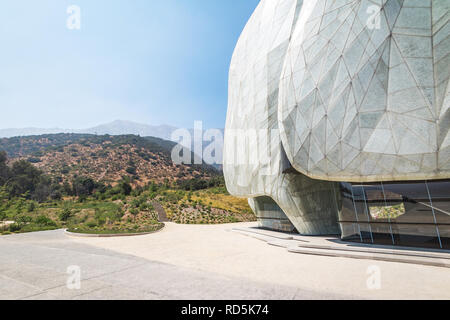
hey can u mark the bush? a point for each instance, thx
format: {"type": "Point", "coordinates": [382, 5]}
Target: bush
{"type": "Point", "coordinates": [135, 203]}
{"type": "Point", "coordinates": [101, 221]}
{"type": "Point", "coordinates": [31, 207]}
{"type": "Point", "coordinates": [24, 220]}
{"type": "Point", "coordinates": [91, 224]}
{"type": "Point", "coordinates": [45, 221]}
{"type": "Point", "coordinates": [131, 170]}
{"type": "Point", "coordinates": [15, 227]}
{"type": "Point", "coordinates": [120, 213]}
{"type": "Point", "coordinates": [126, 188]}
{"type": "Point", "coordinates": [146, 207]}
{"type": "Point", "coordinates": [65, 214]}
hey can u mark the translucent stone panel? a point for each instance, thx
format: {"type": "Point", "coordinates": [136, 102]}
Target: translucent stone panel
{"type": "Point", "coordinates": [252, 146]}
{"type": "Point", "coordinates": [337, 90]}
{"type": "Point", "coordinates": [365, 84]}
{"type": "Point", "coordinates": [254, 159]}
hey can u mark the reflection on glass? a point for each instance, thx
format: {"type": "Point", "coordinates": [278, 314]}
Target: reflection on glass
{"type": "Point", "coordinates": [387, 212]}
{"type": "Point", "coordinates": [440, 195]}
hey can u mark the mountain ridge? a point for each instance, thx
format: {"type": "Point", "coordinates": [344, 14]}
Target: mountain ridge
{"type": "Point", "coordinates": [117, 127]}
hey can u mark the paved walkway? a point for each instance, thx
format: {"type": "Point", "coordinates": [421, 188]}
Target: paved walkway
{"type": "Point", "coordinates": [200, 262]}
{"type": "Point", "coordinates": [162, 215]}
{"type": "Point", "coordinates": [334, 247]}
{"type": "Point", "coordinates": [34, 266]}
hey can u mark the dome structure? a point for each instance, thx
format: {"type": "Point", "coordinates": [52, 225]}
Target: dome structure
{"type": "Point", "coordinates": [326, 97]}
{"type": "Point", "coordinates": [366, 88]}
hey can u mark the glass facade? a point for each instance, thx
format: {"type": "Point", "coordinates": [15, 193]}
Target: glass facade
{"type": "Point", "coordinates": [413, 213]}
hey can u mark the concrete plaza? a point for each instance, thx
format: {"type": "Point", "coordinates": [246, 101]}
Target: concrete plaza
{"type": "Point", "coordinates": [200, 262]}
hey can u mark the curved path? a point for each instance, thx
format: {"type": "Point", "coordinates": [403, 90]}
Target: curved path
{"type": "Point", "coordinates": [162, 215]}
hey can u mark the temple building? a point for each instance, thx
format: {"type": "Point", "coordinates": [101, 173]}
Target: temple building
{"type": "Point", "coordinates": [338, 119]}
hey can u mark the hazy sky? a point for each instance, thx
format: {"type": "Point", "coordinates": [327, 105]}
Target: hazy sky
{"type": "Point", "coordinates": [151, 61]}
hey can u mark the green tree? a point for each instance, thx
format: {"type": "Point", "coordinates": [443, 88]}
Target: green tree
{"type": "Point", "coordinates": [24, 177]}
{"type": "Point", "coordinates": [125, 188]}
{"type": "Point", "coordinates": [4, 169]}
{"type": "Point", "coordinates": [83, 186]}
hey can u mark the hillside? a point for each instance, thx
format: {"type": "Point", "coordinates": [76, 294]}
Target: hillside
{"type": "Point", "coordinates": [103, 158]}
{"type": "Point", "coordinates": [107, 184]}
{"type": "Point", "coordinates": [115, 128]}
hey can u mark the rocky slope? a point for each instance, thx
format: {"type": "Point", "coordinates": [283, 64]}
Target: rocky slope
{"type": "Point", "coordinates": [103, 158]}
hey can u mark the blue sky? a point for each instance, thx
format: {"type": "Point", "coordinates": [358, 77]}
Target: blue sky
{"type": "Point", "coordinates": [151, 61]}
